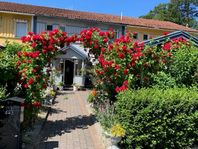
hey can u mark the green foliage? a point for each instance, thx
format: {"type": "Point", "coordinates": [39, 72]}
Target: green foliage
{"type": "Point", "coordinates": [184, 67]}
{"type": "Point", "coordinates": [3, 94]}
{"type": "Point", "coordinates": [106, 117]}
{"type": "Point", "coordinates": [156, 118]}
{"type": "Point", "coordinates": [159, 13]}
{"type": "Point", "coordinates": [182, 12]}
{"type": "Point", "coordinates": [8, 66]}
{"type": "Point", "coordinates": [163, 80]}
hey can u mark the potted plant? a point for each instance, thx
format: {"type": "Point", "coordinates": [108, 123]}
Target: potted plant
{"type": "Point", "coordinates": [116, 134]}
{"type": "Point", "coordinates": [75, 87]}
{"type": "Point", "coordinates": [61, 84]}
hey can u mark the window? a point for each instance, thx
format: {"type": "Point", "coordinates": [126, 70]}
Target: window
{"type": "Point", "coordinates": [62, 28]}
{"type": "Point", "coordinates": [55, 26]}
{"type": "Point", "coordinates": [73, 30]}
{"type": "Point", "coordinates": [78, 67]}
{"type": "Point", "coordinates": [49, 27]}
{"type": "Point", "coordinates": [40, 27]}
{"type": "Point", "coordinates": [135, 35]}
{"type": "Point", "coordinates": [21, 29]}
{"type": "Point", "coordinates": [145, 37]}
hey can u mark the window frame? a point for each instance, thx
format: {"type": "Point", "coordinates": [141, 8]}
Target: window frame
{"type": "Point", "coordinates": [144, 36]}
{"type": "Point", "coordinates": [44, 23]}
{"type": "Point", "coordinates": [61, 26]}
{"type": "Point", "coordinates": [135, 36]}
{"type": "Point", "coordinates": [20, 21]}
{"type": "Point", "coordinates": [49, 25]}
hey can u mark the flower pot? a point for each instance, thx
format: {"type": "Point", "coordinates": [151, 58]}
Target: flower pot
{"type": "Point", "coordinates": [75, 88]}
{"type": "Point", "coordinates": [115, 140]}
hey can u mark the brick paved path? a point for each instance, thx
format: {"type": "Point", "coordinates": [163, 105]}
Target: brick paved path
{"type": "Point", "coordinates": [70, 126]}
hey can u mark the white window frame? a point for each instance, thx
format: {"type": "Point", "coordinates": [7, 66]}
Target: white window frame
{"type": "Point", "coordinates": [20, 21]}
{"type": "Point", "coordinates": [37, 27]}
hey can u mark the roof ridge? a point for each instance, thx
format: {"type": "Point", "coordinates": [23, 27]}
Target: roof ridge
{"type": "Point", "coordinates": [92, 16]}
{"type": "Point", "coordinates": [57, 8]}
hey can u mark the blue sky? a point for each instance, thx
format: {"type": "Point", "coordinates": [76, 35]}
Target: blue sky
{"type": "Point", "coordinates": [133, 8]}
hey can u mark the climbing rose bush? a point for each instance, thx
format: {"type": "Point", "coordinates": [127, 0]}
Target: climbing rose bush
{"type": "Point", "coordinates": [122, 63]}
{"type": "Point", "coordinates": [39, 49]}
{"type": "Point", "coordinates": [127, 63]}
{"type": "Point", "coordinates": [36, 55]}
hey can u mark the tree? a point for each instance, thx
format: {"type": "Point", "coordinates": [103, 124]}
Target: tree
{"type": "Point", "coordinates": [159, 12]}
{"type": "Point", "coordinates": [182, 12]}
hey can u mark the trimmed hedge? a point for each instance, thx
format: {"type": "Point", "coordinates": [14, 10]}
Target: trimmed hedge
{"type": "Point", "coordinates": [158, 119]}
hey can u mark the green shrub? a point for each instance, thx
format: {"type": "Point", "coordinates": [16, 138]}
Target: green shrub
{"type": "Point", "coordinates": [158, 119]}
{"type": "Point", "coordinates": [8, 69]}
{"type": "Point", "coordinates": [163, 80]}
{"type": "Point", "coordinates": [3, 94]}
{"type": "Point", "coordinates": [184, 67]}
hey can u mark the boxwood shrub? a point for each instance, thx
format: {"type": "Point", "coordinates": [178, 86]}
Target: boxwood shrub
{"type": "Point", "coordinates": [159, 119]}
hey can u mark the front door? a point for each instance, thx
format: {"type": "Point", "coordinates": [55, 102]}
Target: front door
{"type": "Point", "coordinates": [69, 72]}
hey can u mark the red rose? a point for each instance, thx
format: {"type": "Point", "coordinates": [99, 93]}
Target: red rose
{"type": "Point", "coordinates": [165, 33]}
{"type": "Point", "coordinates": [44, 51]}
{"type": "Point", "coordinates": [125, 71]}
{"type": "Point", "coordinates": [19, 54]}
{"type": "Point", "coordinates": [166, 46]}
{"type": "Point", "coordinates": [31, 81]}
{"type": "Point", "coordinates": [25, 86]}
{"type": "Point", "coordinates": [34, 70]}
{"type": "Point", "coordinates": [18, 63]}
{"type": "Point", "coordinates": [33, 44]}
{"type": "Point", "coordinates": [121, 55]}
{"type": "Point", "coordinates": [124, 48]}
{"type": "Point", "coordinates": [36, 104]}
{"type": "Point", "coordinates": [101, 34]}
{"type": "Point", "coordinates": [105, 40]}
{"type": "Point", "coordinates": [95, 46]}
{"type": "Point", "coordinates": [29, 61]}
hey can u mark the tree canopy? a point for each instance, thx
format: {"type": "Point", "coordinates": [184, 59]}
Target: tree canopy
{"type": "Point", "coordinates": [184, 12]}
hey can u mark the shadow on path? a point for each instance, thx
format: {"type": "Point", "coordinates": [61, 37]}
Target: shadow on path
{"type": "Point", "coordinates": [59, 127]}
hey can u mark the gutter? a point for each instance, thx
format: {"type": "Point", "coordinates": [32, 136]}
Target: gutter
{"type": "Point", "coordinates": [19, 13]}
{"type": "Point", "coordinates": [145, 27]}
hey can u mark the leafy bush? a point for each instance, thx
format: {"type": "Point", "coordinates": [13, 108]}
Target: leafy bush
{"type": "Point", "coordinates": [156, 118]}
{"type": "Point", "coordinates": [3, 94]}
{"type": "Point", "coordinates": [163, 80]}
{"type": "Point", "coordinates": [8, 69]}
{"type": "Point", "coordinates": [184, 67]}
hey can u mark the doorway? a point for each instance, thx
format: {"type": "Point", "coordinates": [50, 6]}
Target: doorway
{"type": "Point", "coordinates": [69, 72]}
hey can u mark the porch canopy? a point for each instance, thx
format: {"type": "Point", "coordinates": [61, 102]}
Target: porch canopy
{"type": "Point", "coordinates": [74, 51]}
{"type": "Point", "coordinates": [73, 63]}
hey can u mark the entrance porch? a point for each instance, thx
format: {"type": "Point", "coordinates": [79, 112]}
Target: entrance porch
{"type": "Point", "coordinates": [71, 66]}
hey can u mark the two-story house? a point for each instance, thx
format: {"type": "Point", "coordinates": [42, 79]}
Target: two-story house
{"type": "Point", "coordinates": [13, 25]}
{"type": "Point", "coordinates": [17, 19]}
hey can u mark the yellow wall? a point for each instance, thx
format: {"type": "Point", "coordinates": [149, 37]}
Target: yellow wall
{"type": "Point", "coordinates": [8, 26]}
{"type": "Point", "coordinates": [150, 32]}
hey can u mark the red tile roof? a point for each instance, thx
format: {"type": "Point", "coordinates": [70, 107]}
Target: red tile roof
{"type": "Point", "coordinates": [73, 14]}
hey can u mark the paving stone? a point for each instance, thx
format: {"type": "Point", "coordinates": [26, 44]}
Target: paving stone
{"type": "Point", "coordinates": [70, 125]}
